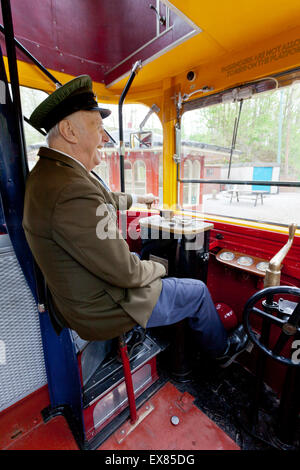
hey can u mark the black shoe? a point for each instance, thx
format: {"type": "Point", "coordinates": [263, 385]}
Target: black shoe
{"type": "Point", "coordinates": [238, 342]}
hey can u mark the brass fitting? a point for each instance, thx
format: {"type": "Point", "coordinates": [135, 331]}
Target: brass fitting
{"type": "Point", "coordinates": [273, 272]}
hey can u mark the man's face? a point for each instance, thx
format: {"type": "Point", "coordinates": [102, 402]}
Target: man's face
{"type": "Point", "coordinates": [92, 137]}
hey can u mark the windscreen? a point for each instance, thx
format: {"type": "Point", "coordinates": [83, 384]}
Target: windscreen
{"type": "Point", "coordinates": [240, 149]}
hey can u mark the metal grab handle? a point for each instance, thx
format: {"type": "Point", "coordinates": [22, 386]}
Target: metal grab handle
{"type": "Point", "coordinates": [273, 272]}
{"type": "Point", "coordinates": [136, 67]}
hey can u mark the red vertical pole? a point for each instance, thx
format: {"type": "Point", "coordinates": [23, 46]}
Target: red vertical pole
{"type": "Point", "coordinates": [128, 379]}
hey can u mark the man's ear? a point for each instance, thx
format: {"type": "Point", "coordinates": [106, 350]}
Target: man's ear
{"type": "Point", "coordinates": [67, 131]}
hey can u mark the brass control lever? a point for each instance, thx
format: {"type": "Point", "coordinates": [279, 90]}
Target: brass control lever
{"type": "Point", "coordinates": [273, 272]}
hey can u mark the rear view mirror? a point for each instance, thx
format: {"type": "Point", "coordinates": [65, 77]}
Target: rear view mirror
{"type": "Point", "coordinates": [142, 139]}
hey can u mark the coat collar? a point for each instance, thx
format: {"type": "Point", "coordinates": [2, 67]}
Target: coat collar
{"type": "Point", "coordinates": [52, 154]}
{"type": "Point", "coordinates": [56, 155]}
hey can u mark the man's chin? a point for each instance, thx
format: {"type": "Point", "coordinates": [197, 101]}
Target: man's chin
{"type": "Point", "coordinates": [97, 158]}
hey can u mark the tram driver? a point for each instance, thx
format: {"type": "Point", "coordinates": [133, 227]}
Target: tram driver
{"type": "Point", "coordinates": [99, 288]}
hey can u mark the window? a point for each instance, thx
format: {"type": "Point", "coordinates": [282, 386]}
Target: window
{"type": "Point", "coordinates": [143, 165]}
{"type": "Point", "coordinates": [30, 99]}
{"type": "Point", "coordinates": [195, 192]}
{"type": "Point", "coordinates": [266, 150]}
{"type": "Point", "coordinates": [190, 195]}
{"type": "Point", "coordinates": [103, 171]}
{"type": "Point", "coordinates": [187, 174]}
{"type": "Point", "coordinates": [128, 176]}
{"type": "Point", "coordinates": [139, 175]}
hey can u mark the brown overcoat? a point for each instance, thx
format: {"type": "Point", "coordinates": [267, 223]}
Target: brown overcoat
{"type": "Point", "coordinates": [70, 223]}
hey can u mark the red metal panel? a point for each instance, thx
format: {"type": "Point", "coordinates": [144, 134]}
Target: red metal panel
{"type": "Point", "coordinates": [20, 418]}
{"type": "Point", "coordinates": [54, 435]}
{"type": "Point", "coordinates": [91, 36]}
{"type": "Point", "coordinates": [88, 413]}
{"type": "Point", "coordinates": [178, 30]}
{"type": "Point", "coordinates": [234, 287]}
{"type": "Point", "coordinates": [22, 426]}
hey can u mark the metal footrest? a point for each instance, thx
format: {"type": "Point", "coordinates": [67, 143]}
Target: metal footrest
{"type": "Point", "coordinates": [110, 374]}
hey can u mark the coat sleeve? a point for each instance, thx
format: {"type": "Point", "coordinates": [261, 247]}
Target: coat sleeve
{"type": "Point", "coordinates": [123, 200]}
{"type": "Point", "coordinates": [85, 225]}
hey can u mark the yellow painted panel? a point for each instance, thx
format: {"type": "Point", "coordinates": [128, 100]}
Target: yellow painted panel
{"type": "Point", "coordinates": [238, 24]}
{"type": "Point", "coordinates": [277, 54]}
{"type": "Point", "coordinates": [280, 53]}
{"type": "Point", "coordinates": [169, 166]}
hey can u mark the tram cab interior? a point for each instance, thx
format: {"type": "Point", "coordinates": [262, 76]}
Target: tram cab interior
{"type": "Point", "coordinates": [205, 116]}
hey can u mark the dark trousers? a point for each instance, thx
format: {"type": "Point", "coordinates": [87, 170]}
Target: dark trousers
{"type": "Point", "coordinates": [190, 298]}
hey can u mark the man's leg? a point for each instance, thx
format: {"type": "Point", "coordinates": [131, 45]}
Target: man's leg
{"type": "Point", "coordinates": [190, 298]}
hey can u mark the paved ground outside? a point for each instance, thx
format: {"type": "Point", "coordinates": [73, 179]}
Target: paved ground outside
{"type": "Point", "coordinates": [282, 208]}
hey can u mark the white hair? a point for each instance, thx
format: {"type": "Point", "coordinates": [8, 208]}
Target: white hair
{"type": "Point", "coordinates": [54, 132]}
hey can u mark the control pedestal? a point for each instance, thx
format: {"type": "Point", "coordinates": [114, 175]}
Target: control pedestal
{"type": "Point", "coordinates": [181, 244]}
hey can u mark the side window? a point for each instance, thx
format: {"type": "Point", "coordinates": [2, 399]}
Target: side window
{"type": "Point", "coordinates": [190, 194]}
{"type": "Point", "coordinates": [30, 99]}
{"type": "Point", "coordinates": [195, 193]}
{"type": "Point", "coordinates": [187, 174]}
{"type": "Point", "coordinates": [248, 145]}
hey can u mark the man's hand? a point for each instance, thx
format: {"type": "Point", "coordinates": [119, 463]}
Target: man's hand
{"type": "Point", "coordinates": [147, 199]}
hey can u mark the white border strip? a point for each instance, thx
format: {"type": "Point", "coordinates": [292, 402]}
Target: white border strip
{"type": "Point", "coordinates": [179, 13]}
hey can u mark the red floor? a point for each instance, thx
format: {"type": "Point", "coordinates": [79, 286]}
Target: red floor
{"type": "Point", "coordinates": [195, 430]}
{"type": "Point", "coordinates": [54, 435]}
{"type": "Point", "coordinates": [22, 426]}
{"type": "Point", "coordinates": [153, 431]}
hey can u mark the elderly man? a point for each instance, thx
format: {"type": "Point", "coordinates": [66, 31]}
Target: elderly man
{"type": "Point", "coordinates": [99, 288]}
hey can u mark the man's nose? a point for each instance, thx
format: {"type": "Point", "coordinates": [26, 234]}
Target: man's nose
{"type": "Point", "coordinates": [105, 136]}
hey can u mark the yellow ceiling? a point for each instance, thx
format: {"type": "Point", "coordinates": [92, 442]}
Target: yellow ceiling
{"type": "Point", "coordinates": [237, 24]}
